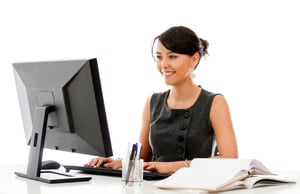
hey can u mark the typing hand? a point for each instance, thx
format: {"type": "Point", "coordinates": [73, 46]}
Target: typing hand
{"type": "Point", "coordinates": [160, 167]}
{"type": "Point", "coordinates": [104, 162]}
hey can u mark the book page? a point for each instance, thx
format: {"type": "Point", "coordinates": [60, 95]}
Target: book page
{"type": "Point", "coordinates": [257, 167]}
{"type": "Point", "coordinates": [266, 180]}
{"type": "Point", "coordinates": [207, 174]}
{"type": "Point", "coordinates": [189, 178]}
{"type": "Point", "coordinates": [220, 175]}
{"type": "Point", "coordinates": [220, 164]}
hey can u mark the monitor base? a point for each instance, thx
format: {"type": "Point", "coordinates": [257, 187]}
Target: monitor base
{"type": "Point", "coordinates": [51, 176]}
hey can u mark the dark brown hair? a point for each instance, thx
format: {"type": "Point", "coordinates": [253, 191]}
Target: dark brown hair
{"type": "Point", "coordinates": [182, 40]}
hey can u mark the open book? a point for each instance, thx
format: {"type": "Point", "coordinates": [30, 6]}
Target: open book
{"type": "Point", "coordinates": [214, 175]}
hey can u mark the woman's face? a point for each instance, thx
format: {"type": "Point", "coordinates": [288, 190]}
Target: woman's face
{"type": "Point", "coordinates": [175, 68]}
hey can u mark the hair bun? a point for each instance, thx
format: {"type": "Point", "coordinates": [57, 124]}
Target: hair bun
{"type": "Point", "coordinates": [203, 46]}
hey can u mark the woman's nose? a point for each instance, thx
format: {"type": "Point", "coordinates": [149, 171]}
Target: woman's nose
{"type": "Point", "coordinates": [164, 63]}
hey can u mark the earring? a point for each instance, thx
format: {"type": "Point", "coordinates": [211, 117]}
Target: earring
{"type": "Point", "coordinates": [193, 75]}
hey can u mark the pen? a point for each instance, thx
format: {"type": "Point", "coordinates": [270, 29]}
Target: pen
{"type": "Point", "coordinates": [133, 150]}
{"type": "Point", "coordinates": [138, 152]}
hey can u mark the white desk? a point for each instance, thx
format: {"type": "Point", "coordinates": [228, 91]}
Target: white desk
{"type": "Point", "coordinates": [10, 183]}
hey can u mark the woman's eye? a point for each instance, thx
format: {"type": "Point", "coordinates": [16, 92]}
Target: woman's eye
{"type": "Point", "coordinates": [158, 57]}
{"type": "Point", "coordinates": [172, 57]}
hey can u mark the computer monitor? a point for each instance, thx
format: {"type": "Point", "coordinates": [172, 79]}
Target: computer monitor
{"type": "Point", "coordinates": [62, 108]}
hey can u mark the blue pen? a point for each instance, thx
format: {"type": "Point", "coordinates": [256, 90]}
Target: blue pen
{"type": "Point", "coordinates": [138, 151]}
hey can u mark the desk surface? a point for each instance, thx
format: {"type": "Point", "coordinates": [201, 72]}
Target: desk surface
{"type": "Point", "coordinates": [14, 184]}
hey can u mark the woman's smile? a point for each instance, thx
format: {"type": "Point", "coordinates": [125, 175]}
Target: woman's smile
{"type": "Point", "coordinates": [168, 74]}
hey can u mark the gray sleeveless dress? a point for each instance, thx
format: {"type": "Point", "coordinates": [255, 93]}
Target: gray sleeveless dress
{"type": "Point", "coordinates": [179, 134]}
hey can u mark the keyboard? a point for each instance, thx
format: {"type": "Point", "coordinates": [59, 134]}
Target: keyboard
{"type": "Point", "coordinates": [113, 172]}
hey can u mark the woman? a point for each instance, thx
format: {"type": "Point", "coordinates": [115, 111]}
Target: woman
{"type": "Point", "coordinates": [185, 121]}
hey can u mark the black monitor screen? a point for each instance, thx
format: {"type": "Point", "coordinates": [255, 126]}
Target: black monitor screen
{"type": "Point", "coordinates": [75, 118]}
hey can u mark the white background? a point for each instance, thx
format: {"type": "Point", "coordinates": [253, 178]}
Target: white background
{"type": "Point", "coordinates": [253, 62]}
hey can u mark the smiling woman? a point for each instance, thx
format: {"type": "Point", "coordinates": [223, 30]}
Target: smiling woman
{"type": "Point", "coordinates": [201, 116]}
{"type": "Point", "coordinates": [186, 121]}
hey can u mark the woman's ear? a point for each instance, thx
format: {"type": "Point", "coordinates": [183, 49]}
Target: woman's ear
{"type": "Point", "coordinates": [195, 59]}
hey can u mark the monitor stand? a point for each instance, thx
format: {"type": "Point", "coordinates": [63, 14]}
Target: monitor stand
{"type": "Point", "coordinates": [36, 144]}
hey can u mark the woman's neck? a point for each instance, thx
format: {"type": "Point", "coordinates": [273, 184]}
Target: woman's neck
{"type": "Point", "coordinates": [184, 96]}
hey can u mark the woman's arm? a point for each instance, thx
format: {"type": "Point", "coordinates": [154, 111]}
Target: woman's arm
{"type": "Point", "coordinates": [146, 153]}
{"type": "Point", "coordinates": [221, 122]}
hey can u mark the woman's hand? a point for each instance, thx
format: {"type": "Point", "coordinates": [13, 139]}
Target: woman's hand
{"type": "Point", "coordinates": [163, 167]}
{"type": "Point", "coordinates": [104, 162]}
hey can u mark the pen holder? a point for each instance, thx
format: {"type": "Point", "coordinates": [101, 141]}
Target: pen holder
{"type": "Point", "coordinates": [132, 172]}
